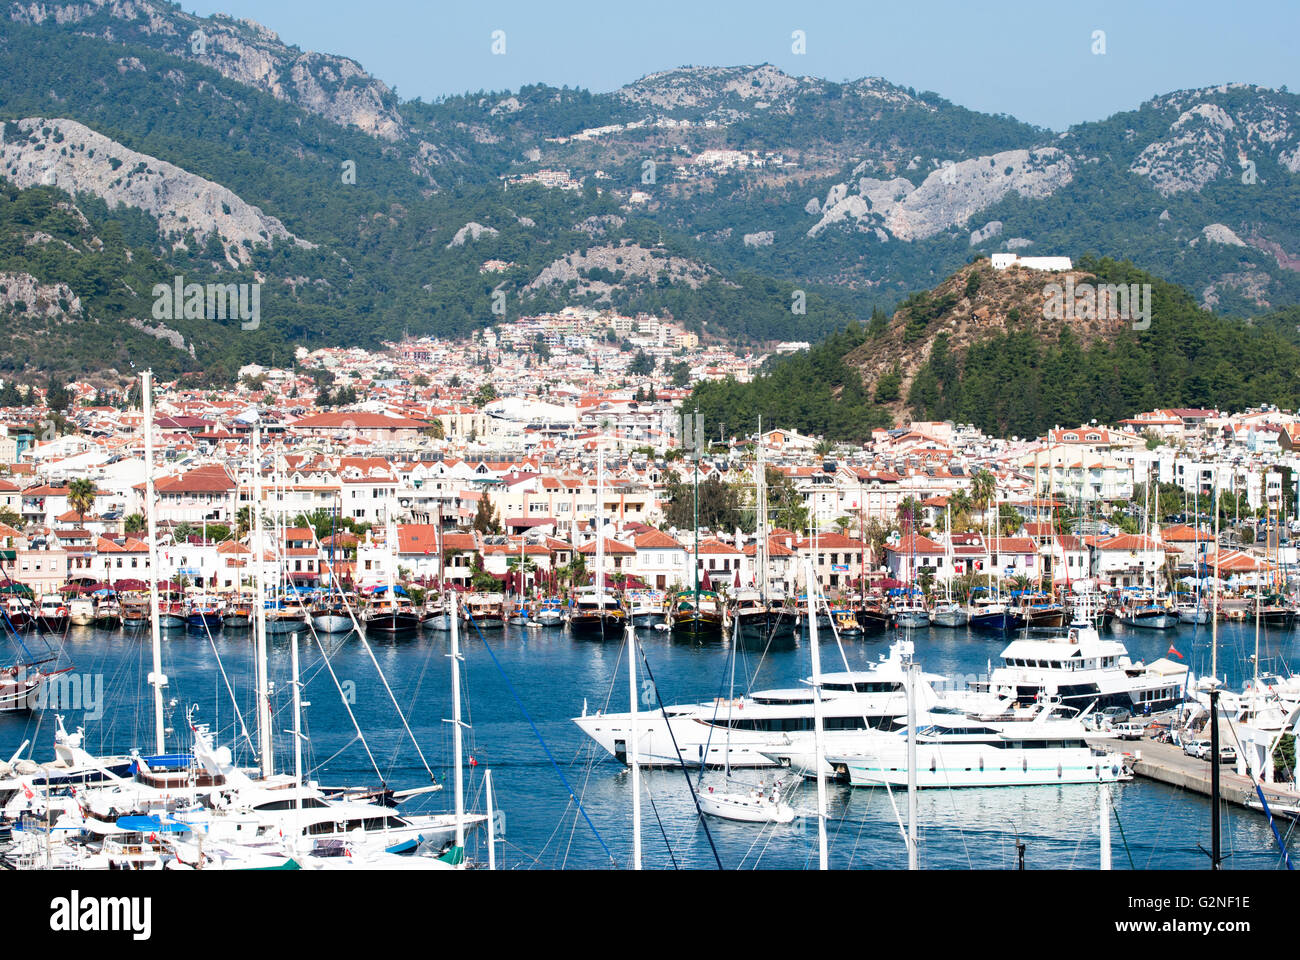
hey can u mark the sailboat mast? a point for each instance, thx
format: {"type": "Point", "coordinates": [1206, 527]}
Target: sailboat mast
{"type": "Point", "coordinates": [1105, 825]}
{"type": "Point", "coordinates": [598, 523]}
{"type": "Point", "coordinates": [699, 432]}
{"type": "Point", "coordinates": [259, 554]}
{"type": "Point", "coordinates": [1214, 614]}
{"type": "Point", "coordinates": [761, 546]}
{"type": "Point", "coordinates": [818, 731]}
{"type": "Point", "coordinates": [156, 678]}
{"type": "Point", "coordinates": [297, 721]}
{"type": "Point", "coordinates": [457, 744]}
{"type": "Point", "coordinates": [491, 817]}
{"type": "Point", "coordinates": [632, 758]}
{"type": "Point", "coordinates": [911, 764]}
{"type": "Point", "coordinates": [1215, 855]}
{"type": "Point", "coordinates": [390, 537]}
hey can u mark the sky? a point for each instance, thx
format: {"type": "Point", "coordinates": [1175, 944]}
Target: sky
{"type": "Point", "coordinates": [1047, 63]}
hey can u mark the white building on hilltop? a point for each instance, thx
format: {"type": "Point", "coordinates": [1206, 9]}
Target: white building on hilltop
{"type": "Point", "coordinates": [1003, 260]}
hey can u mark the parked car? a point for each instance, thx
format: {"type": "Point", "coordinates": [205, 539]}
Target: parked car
{"type": "Point", "coordinates": [1196, 748]}
{"type": "Point", "coordinates": [1128, 731]}
{"type": "Point", "coordinates": [1227, 754]}
{"type": "Point", "coordinates": [1115, 715]}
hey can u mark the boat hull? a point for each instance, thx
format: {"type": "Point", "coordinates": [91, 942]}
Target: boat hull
{"type": "Point", "coordinates": [1151, 621]}
{"type": "Point", "coordinates": [283, 626]}
{"type": "Point", "coordinates": [873, 621]}
{"type": "Point", "coordinates": [954, 765]}
{"type": "Point", "coordinates": [331, 623]}
{"type": "Point", "coordinates": [393, 624]}
{"type": "Point", "coordinates": [745, 808]}
{"type": "Point", "coordinates": [948, 618]}
{"type": "Point", "coordinates": [698, 626]}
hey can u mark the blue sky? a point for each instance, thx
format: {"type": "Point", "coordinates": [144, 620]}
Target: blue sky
{"type": "Point", "coordinates": [1034, 61]}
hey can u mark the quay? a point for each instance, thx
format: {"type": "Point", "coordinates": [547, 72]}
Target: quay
{"type": "Point", "coordinates": [1167, 763]}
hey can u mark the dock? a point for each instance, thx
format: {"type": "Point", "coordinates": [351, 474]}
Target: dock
{"type": "Point", "coordinates": [1167, 763]}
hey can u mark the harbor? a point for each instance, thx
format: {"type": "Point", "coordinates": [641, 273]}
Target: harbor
{"type": "Point", "coordinates": [524, 686]}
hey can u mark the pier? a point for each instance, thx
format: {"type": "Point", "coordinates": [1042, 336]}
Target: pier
{"type": "Point", "coordinates": [1167, 763]}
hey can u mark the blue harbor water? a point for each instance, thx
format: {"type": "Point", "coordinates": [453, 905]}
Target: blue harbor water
{"type": "Point", "coordinates": [551, 674]}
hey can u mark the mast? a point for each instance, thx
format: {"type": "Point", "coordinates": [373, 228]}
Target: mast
{"type": "Point", "coordinates": [157, 678]}
{"type": "Point", "coordinates": [259, 552]}
{"type": "Point", "coordinates": [911, 763]}
{"type": "Point", "coordinates": [761, 545]}
{"type": "Point", "coordinates": [297, 722]}
{"type": "Point", "coordinates": [1215, 857]}
{"type": "Point", "coordinates": [632, 758]}
{"type": "Point", "coordinates": [1105, 825]}
{"type": "Point", "coordinates": [1214, 613]}
{"type": "Point", "coordinates": [456, 724]}
{"type": "Point", "coordinates": [390, 536]}
{"type": "Point", "coordinates": [818, 731]}
{"type": "Point", "coordinates": [598, 523]}
{"type": "Point", "coordinates": [491, 816]}
{"type": "Point", "coordinates": [699, 433]}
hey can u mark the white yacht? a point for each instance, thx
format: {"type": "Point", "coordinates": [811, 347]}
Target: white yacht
{"type": "Point", "coordinates": [965, 750]}
{"type": "Point", "coordinates": [735, 732]}
{"type": "Point", "coordinates": [1085, 671]}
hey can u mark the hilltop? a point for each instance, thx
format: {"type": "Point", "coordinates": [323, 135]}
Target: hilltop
{"type": "Point", "coordinates": [978, 349]}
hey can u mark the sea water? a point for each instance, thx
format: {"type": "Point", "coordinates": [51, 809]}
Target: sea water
{"type": "Point", "coordinates": [564, 803]}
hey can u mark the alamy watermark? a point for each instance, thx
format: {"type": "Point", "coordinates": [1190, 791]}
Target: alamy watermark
{"type": "Point", "coordinates": [1103, 301]}
{"type": "Point", "coordinates": [73, 691]}
{"type": "Point", "coordinates": [215, 301]}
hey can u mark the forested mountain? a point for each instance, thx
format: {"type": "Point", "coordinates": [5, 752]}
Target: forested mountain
{"type": "Point", "coordinates": [978, 349]}
{"type": "Point", "coordinates": [714, 194]}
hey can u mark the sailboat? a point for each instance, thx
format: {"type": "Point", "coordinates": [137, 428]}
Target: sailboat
{"type": "Point", "coordinates": [761, 619]}
{"type": "Point", "coordinates": [594, 611]}
{"type": "Point", "coordinates": [756, 803]}
{"type": "Point", "coordinates": [1143, 608]}
{"type": "Point", "coordinates": [390, 612]}
{"type": "Point", "coordinates": [948, 612]}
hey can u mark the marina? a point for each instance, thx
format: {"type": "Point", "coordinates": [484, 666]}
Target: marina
{"type": "Point", "coordinates": [552, 671]}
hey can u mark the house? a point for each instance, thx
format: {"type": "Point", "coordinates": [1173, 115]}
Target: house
{"type": "Point", "coordinates": [661, 561]}
{"type": "Point", "coordinates": [1128, 560]}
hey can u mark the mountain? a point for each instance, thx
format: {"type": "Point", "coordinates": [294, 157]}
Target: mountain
{"type": "Point", "coordinates": [209, 149]}
{"type": "Point", "coordinates": [998, 349]}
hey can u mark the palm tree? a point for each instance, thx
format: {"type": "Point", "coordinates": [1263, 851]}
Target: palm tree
{"type": "Point", "coordinates": [81, 496]}
{"type": "Point", "coordinates": [983, 488]}
{"type": "Point", "coordinates": [824, 447]}
{"type": "Point", "coordinates": [910, 508]}
{"type": "Point", "coordinates": [135, 523]}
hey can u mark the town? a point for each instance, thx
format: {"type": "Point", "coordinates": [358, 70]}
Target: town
{"type": "Point", "coordinates": [489, 448]}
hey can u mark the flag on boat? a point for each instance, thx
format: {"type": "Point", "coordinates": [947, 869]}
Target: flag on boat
{"type": "Point", "coordinates": [1175, 652]}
